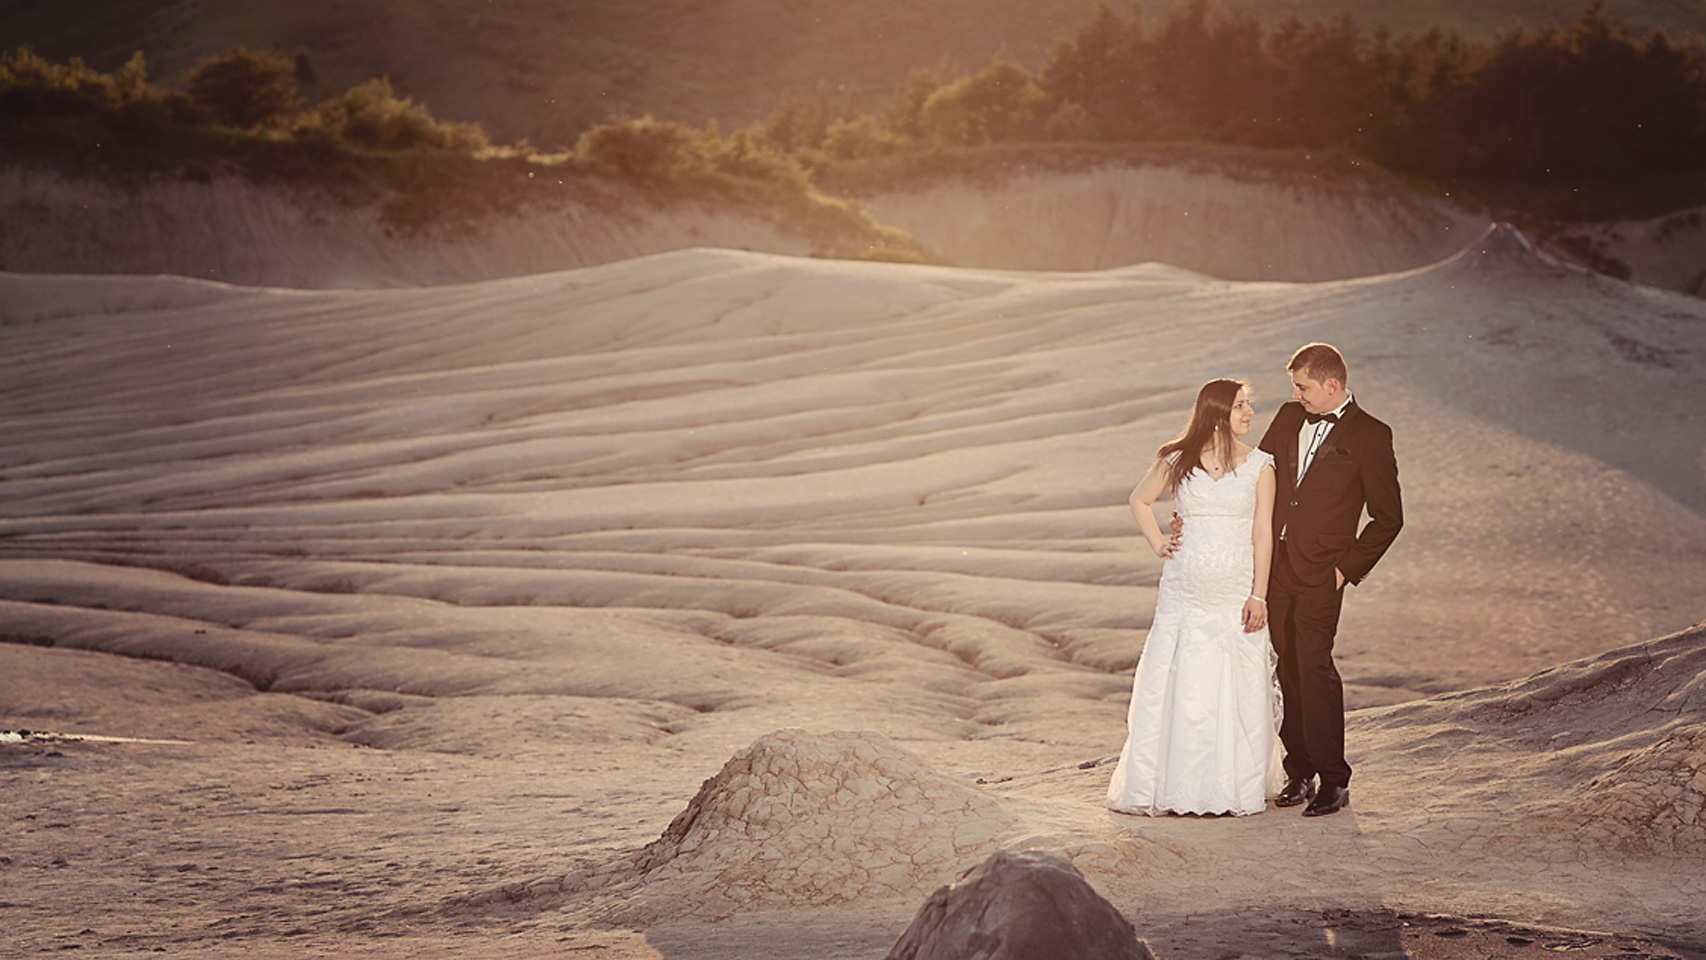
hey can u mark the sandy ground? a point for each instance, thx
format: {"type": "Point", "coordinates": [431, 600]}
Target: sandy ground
{"type": "Point", "coordinates": [1667, 251]}
{"type": "Point", "coordinates": [1297, 219]}
{"type": "Point", "coordinates": [1276, 219]}
{"type": "Point", "coordinates": [1259, 223]}
{"type": "Point", "coordinates": [419, 616]}
{"type": "Point", "coordinates": [228, 229]}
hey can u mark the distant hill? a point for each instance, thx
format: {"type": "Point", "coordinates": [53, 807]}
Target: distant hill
{"type": "Point", "coordinates": [547, 69]}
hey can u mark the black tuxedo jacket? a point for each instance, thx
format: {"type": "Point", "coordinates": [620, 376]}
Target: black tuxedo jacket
{"type": "Point", "coordinates": [1354, 467]}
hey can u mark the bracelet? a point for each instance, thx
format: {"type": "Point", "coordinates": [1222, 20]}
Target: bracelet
{"type": "Point", "coordinates": [1261, 600]}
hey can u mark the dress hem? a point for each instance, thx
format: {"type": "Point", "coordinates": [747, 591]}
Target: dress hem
{"type": "Point", "coordinates": [1170, 812]}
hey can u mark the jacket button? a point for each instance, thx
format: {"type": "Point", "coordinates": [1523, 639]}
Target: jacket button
{"type": "Point", "coordinates": [1294, 503]}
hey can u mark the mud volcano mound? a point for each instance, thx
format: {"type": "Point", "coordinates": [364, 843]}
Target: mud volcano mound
{"type": "Point", "coordinates": [794, 819]}
{"type": "Point", "coordinates": [1610, 748]}
{"type": "Point", "coordinates": [1653, 801]}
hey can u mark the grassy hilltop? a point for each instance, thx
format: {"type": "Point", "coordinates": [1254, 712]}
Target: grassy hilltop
{"type": "Point", "coordinates": [546, 70]}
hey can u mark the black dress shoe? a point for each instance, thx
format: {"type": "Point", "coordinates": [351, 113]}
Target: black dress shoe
{"type": "Point", "coordinates": [1331, 799]}
{"type": "Point", "coordinates": [1296, 791]}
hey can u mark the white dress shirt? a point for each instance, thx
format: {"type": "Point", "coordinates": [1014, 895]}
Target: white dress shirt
{"type": "Point", "coordinates": [1312, 435]}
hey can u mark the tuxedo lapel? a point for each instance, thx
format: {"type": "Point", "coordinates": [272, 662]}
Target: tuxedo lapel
{"type": "Point", "coordinates": [1342, 436]}
{"type": "Point", "coordinates": [1285, 453]}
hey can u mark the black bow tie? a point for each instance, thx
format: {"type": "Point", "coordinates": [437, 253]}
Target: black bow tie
{"type": "Point", "coordinates": [1318, 417]}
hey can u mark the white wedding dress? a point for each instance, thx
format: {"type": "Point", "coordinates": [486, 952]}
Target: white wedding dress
{"type": "Point", "coordinates": [1203, 731]}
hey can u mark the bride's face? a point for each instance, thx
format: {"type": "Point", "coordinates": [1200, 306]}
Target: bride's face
{"type": "Point", "coordinates": [1242, 414]}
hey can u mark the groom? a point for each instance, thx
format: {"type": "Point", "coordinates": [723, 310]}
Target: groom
{"type": "Point", "coordinates": [1331, 460]}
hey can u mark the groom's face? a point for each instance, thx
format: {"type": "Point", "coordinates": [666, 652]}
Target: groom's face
{"type": "Point", "coordinates": [1316, 397]}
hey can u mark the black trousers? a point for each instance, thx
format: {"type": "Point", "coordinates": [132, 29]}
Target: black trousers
{"type": "Point", "coordinates": [1302, 622]}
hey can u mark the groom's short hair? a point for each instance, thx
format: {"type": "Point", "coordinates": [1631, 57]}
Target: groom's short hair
{"type": "Point", "coordinates": [1319, 362]}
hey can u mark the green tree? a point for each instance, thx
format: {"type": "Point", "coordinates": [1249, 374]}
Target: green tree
{"type": "Point", "coordinates": [1422, 86]}
{"type": "Point", "coordinates": [31, 83]}
{"type": "Point", "coordinates": [245, 89]}
{"type": "Point", "coordinates": [815, 119]}
{"type": "Point", "coordinates": [645, 149]}
{"type": "Point", "coordinates": [904, 108]}
{"type": "Point", "coordinates": [371, 115]}
{"type": "Point", "coordinates": [786, 127]}
{"type": "Point", "coordinates": [1101, 70]}
{"type": "Point", "coordinates": [1210, 73]}
{"type": "Point", "coordinates": [1326, 92]}
{"type": "Point", "coordinates": [1586, 101]}
{"type": "Point", "coordinates": [793, 127]}
{"type": "Point", "coordinates": [749, 155]}
{"type": "Point", "coordinates": [860, 138]}
{"type": "Point", "coordinates": [132, 80]}
{"type": "Point", "coordinates": [1004, 102]}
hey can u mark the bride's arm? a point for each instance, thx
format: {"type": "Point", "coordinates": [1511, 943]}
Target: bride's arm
{"type": "Point", "coordinates": [1149, 490]}
{"type": "Point", "coordinates": [1262, 539]}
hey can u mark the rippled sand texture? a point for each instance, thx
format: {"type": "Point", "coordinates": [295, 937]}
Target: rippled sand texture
{"type": "Point", "coordinates": [564, 545]}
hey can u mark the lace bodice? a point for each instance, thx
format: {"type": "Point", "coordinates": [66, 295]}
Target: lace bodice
{"type": "Point", "coordinates": [1232, 494]}
{"type": "Point", "coordinates": [1214, 555]}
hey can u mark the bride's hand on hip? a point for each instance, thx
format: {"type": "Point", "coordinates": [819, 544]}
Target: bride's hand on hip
{"type": "Point", "coordinates": [1175, 536]}
{"type": "Point", "coordinates": [1255, 615]}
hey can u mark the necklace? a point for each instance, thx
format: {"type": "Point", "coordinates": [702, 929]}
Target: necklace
{"type": "Point", "coordinates": [1217, 470]}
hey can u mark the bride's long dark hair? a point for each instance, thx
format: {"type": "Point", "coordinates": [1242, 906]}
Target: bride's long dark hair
{"type": "Point", "coordinates": [1210, 422]}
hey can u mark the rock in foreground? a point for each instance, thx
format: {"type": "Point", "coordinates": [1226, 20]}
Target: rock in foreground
{"type": "Point", "coordinates": [1019, 906]}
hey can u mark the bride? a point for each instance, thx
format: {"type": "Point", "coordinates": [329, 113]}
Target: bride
{"type": "Point", "coordinates": [1202, 732]}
